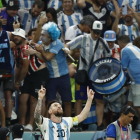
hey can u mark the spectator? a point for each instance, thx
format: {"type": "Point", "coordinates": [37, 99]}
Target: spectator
{"type": "Point", "coordinates": [86, 44]}
{"type": "Point", "coordinates": [129, 28]}
{"type": "Point", "coordinates": [96, 8]}
{"type": "Point", "coordinates": [17, 132]}
{"type": "Point", "coordinates": [26, 4]}
{"type": "Point", "coordinates": [36, 74]}
{"type": "Point", "coordinates": [31, 34]}
{"type": "Point", "coordinates": [58, 126]}
{"type": "Point", "coordinates": [83, 27]}
{"type": "Point", "coordinates": [7, 70]}
{"type": "Point", "coordinates": [53, 52]}
{"type": "Point", "coordinates": [131, 63]}
{"type": "Point", "coordinates": [29, 17]}
{"type": "Point", "coordinates": [136, 42]}
{"type": "Point", "coordinates": [121, 128]}
{"type": "Point", "coordinates": [68, 17]}
{"type": "Point", "coordinates": [51, 14]}
{"type": "Point", "coordinates": [4, 133]}
{"type": "Point", "coordinates": [8, 14]}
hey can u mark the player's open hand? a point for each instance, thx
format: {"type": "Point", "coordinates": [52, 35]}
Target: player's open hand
{"type": "Point", "coordinates": [41, 92]}
{"type": "Point", "coordinates": [90, 93]}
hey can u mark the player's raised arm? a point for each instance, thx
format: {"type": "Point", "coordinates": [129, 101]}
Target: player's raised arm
{"type": "Point", "coordinates": [37, 113]}
{"type": "Point", "coordinates": [83, 115]}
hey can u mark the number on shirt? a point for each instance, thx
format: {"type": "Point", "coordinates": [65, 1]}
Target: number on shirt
{"type": "Point", "coordinates": [61, 133]}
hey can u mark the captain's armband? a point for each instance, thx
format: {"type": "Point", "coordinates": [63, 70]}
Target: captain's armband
{"type": "Point", "coordinates": [75, 120]}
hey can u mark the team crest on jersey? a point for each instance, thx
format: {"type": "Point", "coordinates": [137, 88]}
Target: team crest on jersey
{"type": "Point", "coordinates": [76, 20]}
{"type": "Point", "coordinates": [134, 29]}
{"type": "Point", "coordinates": [65, 126]}
{"type": "Point", "coordinates": [11, 3]}
{"type": "Point", "coordinates": [106, 35]}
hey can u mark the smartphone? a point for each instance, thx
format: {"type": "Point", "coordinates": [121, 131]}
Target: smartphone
{"type": "Point", "coordinates": [124, 10]}
{"type": "Point", "coordinates": [43, 13]}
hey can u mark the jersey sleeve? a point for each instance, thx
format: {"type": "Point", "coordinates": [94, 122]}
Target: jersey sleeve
{"type": "Point", "coordinates": [111, 131]}
{"type": "Point", "coordinates": [69, 121]}
{"type": "Point", "coordinates": [55, 48]}
{"type": "Point", "coordinates": [44, 125]}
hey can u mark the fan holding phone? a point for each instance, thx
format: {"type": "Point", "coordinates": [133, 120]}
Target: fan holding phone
{"type": "Point", "coordinates": [129, 28]}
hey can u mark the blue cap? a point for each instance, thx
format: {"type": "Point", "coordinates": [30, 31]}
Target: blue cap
{"type": "Point", "coordinates": [110, 35]}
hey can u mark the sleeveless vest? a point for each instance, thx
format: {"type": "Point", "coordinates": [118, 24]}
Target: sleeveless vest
{"type": "Point", "coordinates": [6, 57]}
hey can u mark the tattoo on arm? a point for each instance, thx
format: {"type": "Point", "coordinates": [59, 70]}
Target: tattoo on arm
{"type": "Point", "coordinates": [38, 111]}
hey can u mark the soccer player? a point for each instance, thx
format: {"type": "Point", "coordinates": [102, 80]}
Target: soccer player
{"type": "Point", "coordinates": [58, 127]}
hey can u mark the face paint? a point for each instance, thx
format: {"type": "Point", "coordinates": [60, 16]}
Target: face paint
{"type": "Point", "coordinates": [44, 39]}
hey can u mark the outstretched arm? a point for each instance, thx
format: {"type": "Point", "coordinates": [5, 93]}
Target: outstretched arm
{"type": "Point", "coordinates": [37, 113]}
{"type": "Point", "coordinates": [83, 115]}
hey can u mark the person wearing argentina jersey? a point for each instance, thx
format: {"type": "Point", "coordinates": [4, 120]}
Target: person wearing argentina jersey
{"type": "Point", "coordinates": [68, 17]}
{"type": "Point", "coordinates": [82, 28]}
{"type": "Point", "coordinates": [57, 127]}
{"type": "Point", "coordinates": [129, 28]}
{"type": "Point", "coordinates": [29, 17]}
{"type": "Point", "coordinates": [55, 58]}
{"type": "Point", "coordinates": [86, 44]}
{"type": "Point", "coordinates": [130, 60]}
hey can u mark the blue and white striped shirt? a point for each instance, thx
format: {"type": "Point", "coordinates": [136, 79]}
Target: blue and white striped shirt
{"type": "Point", "coordinates": [68, 20]}
{"type": "Point", "coordinates": [26, 4]}
{"type": "Point", "coordinates": [132, 31]}
{"type": "Point", "coordinates": [27, 19]}
{"type": "Point", "coordinates": [130, 60]}
{"type": "Point", "coordinates": [57, 66]}
{"type": "Point", "coordinates": [56, 131]}
{"type": "Point", "coordinates": [86, 44]}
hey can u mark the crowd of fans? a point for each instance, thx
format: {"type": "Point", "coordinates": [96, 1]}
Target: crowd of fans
{"type": "Point", "coordinates": [22, 35]}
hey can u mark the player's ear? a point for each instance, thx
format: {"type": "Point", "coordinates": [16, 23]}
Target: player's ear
{"type": "Point", "coordinates": [50, 111]}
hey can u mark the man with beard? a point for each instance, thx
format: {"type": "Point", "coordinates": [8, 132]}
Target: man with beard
{"type": "Point", "coordinates": [129, 28]}
{"type": "Point", "coordinates": [58, 127]}
{"type": "Point", "coordinates": [29, 17]}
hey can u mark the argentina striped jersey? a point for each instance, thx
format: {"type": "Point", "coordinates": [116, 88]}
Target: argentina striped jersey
{"type": "Point", "coordinates": [131, 62]}
{"type": "Point", "coordinates": [26, 4]}
{"type": "Point", "coordinates": [132, 31]}
{"type": "Point", "coordinates": [65, 21]}
{"type": "Point", "coordinates": [27, 20]}
{"type": "Point", "coordinates": [57, 66]}
{"type": "Point", "coordinates": [87, 45]}
{"type": "Point", "coordinates": [56, 131]}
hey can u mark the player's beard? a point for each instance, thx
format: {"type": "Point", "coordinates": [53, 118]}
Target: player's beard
{"type": "Point", "coordinates": [58, 113]}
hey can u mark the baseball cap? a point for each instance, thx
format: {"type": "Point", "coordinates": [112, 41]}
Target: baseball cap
{"type": "Point", "coordinates": [18, 128]}
{"type": "Point", "coordinates": [110, 35]}
{"type": "Point", "coordinates": [4, 132]}
{"type": "Point", "coordinates": [13, 5]}
{"type": "Point", "coordinates": [19, 32]}
{"type": "Point", "coordinates": [97, 27]}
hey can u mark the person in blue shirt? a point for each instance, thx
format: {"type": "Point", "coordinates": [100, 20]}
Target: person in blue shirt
{"type": "Point", "coordinates": [121, 129]}
{"type": "Point", "coordinates": [130, 60]}
{"type": "Point", "coordinates": [9, 13]}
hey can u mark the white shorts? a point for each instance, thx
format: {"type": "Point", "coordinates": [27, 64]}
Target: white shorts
{"type": "Point", "coordinates": [134, 94]}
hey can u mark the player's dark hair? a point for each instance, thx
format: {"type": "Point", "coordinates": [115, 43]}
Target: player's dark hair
{"type": "Point", "coordinates": [124, 39]}
{"type": "Point", "coordinates": [136, 42]}
{"type": "Point", "coordinates": [54, 101]}
{"type": "Point", "coordinates": [126, 110]}
{"type": "Point", "coordinates": [71, 0]}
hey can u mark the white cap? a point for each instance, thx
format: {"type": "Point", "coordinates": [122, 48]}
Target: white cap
{"type": "Point", "coordinates": [19, 32]}
{"type": "Point", "coordinates": [97, 26]}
